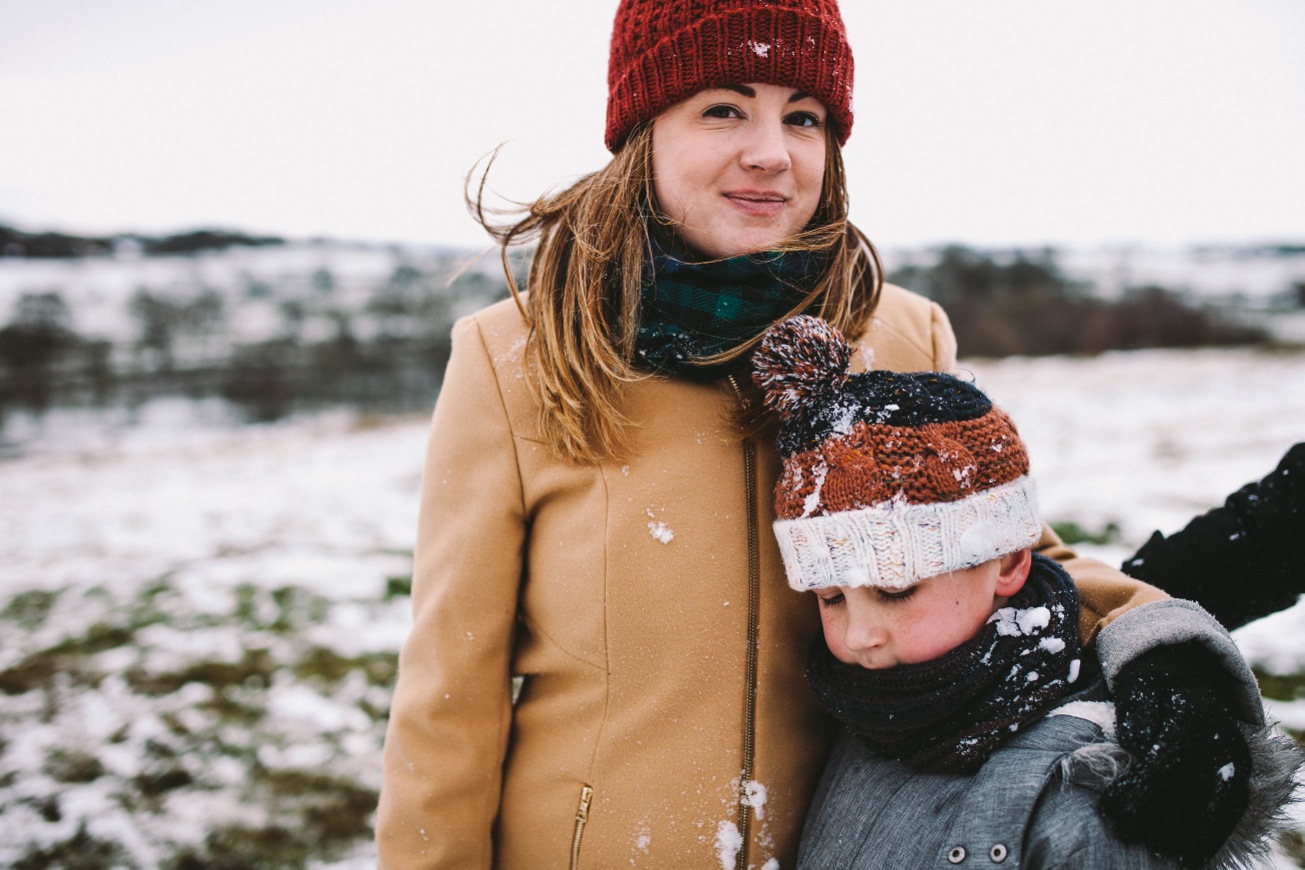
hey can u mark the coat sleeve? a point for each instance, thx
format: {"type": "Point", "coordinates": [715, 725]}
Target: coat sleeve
{"type": "Point", "coordinates": [452, 710]}
{"type": "Point", "coordinates": [1175, 621]}
{"type": "Point", "coordinates": [1105, 592]}
{"type": "Point", "coordinates": [1066, 832]}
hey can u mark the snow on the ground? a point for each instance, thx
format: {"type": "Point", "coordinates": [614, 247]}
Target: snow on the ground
{"type": "Point", "coordinates": [198, 626]}
{"type": "Point", "coordinates": [1146, 439]}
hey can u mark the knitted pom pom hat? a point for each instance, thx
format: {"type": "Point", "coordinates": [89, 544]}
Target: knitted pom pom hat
{"type": "Point", "coordinates": [888, 478]}
{"type": "Point", "coordinates": [666, 50]}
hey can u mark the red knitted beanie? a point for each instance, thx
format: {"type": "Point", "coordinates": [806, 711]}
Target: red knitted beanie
{"type": "Point", "coordinates": [666, 50]}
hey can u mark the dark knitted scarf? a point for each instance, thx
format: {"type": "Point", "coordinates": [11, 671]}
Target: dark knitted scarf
{"type": "Point", "coordinates": [691, 311]}
{"type": "Point", "coordinates": [950, 713]}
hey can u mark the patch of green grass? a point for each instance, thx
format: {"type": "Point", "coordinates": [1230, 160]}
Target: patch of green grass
{"type": "Point", "coordinates": [335, 810]}
{"type": "Point", "coordinates": [30, 609]}
{"type": "Point", "coordinates": [398, 587]}
{"type": "Point", "coordinates": [152, 783]}
{"type": "Point", "coordinates": [283, 610]}
{"type": "Point", "coordinates": [237, 706]}
{"type": "Point", "coordinates": [235, 847]}
{"type": "Point", "coordinates": [98, 638]}
{"type": "Point", "coordinates": [1281, 687]}
{"type": "Point", "coordinates": [81, 851]}
{"type": "Point", "coordinates": [29, 674]}
{"type": "Point", "coordinates": [1072, 533]}
{"type": "Point", "coordinates": [316, 817]}
{"type": "Point", "coordinates": [71, 766]}
{"type": "Point", "coordinates": [323, 665]}
{"type": "Point", "coordinates": [255, 669]}
{"type": "Point", "coordinates": [67, 658]}
{"type": "Point", "coordinates": [1293, 844]}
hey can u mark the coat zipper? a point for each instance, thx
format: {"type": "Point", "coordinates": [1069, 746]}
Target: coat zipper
{"type": "Point", "coordinates": [754, 601]}
{"type": "Point", "coordinates": [581, 817]}
{"type": "Point", "coordinates": [754, 595]}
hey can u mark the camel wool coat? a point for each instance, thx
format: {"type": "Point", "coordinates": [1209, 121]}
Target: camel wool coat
{"type": "Point", "coordinates": [663, 718]}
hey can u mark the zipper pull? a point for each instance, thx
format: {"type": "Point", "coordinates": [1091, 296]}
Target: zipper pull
{"type": "Point", "coordinates": [738, 391]}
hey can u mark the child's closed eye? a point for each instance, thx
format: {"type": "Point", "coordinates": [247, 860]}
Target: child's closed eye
{"type": "Point", "coordinates": [896, 595]}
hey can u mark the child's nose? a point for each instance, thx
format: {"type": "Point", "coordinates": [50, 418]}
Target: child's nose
{"type": "Point", "coordinates": [864, 632]}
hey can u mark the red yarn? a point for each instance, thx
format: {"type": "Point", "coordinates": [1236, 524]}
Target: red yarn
{"type": "Point", "coordinates": [928, 464]}
{"type": "Point", "coordinates": [664, 51]}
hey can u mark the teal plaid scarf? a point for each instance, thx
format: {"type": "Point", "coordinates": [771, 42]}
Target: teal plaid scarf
{"type": "Point", "coordinates": [691, 311]}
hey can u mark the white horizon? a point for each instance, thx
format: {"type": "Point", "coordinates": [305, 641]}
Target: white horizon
{"type": "Point", "coordinates": [1014, 124]}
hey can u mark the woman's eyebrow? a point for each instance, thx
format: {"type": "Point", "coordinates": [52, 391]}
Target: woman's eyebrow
{"type": "Point", "coordinates": [750, 92]}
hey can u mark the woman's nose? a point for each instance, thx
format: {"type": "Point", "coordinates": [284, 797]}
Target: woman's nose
{"type": "Point", "coordinates": [765, 149]}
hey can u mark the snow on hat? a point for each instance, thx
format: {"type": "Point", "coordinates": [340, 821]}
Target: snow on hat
{"type": "Point", "coordinates": [888, 478]}
{"type": "Point", "coordinates": [664, 51]}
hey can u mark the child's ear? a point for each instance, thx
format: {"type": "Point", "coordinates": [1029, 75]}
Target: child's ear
{"type": "Point", "coordinates": [1012, 570]}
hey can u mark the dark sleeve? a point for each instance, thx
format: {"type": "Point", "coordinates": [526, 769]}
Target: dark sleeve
{"type": "Point", "coordinates": [1240, 561]}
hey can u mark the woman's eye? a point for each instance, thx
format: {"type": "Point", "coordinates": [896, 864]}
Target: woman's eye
{"type": "Point", "coordinates": [831, 600]}
{"type": "Point", "coordinates": [897, 595]}
{"type": "Point", "coordinates": [804, 119]}
{"type": "Point", "coordinates": [722, 111]}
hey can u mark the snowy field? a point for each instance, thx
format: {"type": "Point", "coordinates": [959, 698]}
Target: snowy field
{"type": "Point", "coordinates": [198, 624]}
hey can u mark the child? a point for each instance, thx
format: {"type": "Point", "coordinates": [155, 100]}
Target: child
{"type": "Point", "coordinates": [977, 732]}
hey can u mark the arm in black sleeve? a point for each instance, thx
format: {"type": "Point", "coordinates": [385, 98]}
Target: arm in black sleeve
{"type": "Point", "coordinates": [1243, 560]}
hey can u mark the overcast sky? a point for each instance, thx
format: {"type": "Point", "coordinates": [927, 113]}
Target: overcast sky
{"type": "Point", "coordinates": [998, 122]}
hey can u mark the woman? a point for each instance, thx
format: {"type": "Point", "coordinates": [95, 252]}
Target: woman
{"type": "Point", "coordinates": [594, 522]}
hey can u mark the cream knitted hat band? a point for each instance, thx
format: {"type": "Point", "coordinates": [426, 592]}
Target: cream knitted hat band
{"type": "Point", "coordinates": [895, 544]}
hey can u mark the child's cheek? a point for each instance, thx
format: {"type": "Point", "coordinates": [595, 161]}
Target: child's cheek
{"type": "Point", "coordinates": [924, 634]}
{"type": "Point", "coordinates": [833, 633]}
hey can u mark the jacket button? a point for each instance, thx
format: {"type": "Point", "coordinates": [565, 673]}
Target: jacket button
{"type": "Point", "coordinates": [956, 855]}
{"type": "Point", "coordinates": [997, 853]}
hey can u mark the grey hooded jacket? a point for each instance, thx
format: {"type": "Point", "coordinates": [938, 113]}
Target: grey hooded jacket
{"type": "Point", "coordinates": [1033, 804]}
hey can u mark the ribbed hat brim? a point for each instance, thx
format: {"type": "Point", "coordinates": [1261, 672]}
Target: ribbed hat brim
{"type": "Point", "coordinates": [895, 544]}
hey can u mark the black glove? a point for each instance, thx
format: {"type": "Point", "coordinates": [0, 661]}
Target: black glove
{"type": "Point", "coordinates": [1189, 782]}
{"type": "Point", "coordinates": [1240, 561]}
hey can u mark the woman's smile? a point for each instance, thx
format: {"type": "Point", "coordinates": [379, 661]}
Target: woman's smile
{"type": "Point", "coordinates": [760, 203]}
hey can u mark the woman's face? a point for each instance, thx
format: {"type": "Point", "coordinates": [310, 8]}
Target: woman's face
{"type": "Point", "coordinates": [739, 169]}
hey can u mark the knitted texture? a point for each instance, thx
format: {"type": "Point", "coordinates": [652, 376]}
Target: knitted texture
{"type": "Point", "coordinates": [804, 361]}
{"type": "Point", "coordinates": [895, 544]}
{"type": "Point", "coordinates": [666, 50]}
{"type": "Point", "coordinates": [888, 478]}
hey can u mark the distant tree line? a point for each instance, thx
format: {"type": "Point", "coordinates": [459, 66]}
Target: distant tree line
{"type": "Point", "coordinates": [1026, 306]}
{"type": "Point", "coordinates": [383, 348]}
{"type": "Point", "coordinates": [383, 345]}
{"type": "Point", "coordinates": [17, 243]}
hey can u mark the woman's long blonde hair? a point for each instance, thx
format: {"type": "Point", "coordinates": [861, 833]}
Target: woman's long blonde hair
{"type": "Point", "coordinates": [584, 283]}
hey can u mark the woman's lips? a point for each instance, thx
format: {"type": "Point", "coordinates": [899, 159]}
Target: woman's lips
{"type": "Point", "coordinates": [759, 203]}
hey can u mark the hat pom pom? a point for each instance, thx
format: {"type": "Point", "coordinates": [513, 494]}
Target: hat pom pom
{"type": "Point", "coordinates": [798, 361]}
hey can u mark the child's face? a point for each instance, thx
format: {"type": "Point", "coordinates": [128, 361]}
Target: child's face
{"type": "Point", "coordinates": [881, 628]}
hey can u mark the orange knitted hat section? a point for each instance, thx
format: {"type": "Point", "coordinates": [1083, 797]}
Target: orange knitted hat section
{"type": "Point", "coordinates": [871, 464]}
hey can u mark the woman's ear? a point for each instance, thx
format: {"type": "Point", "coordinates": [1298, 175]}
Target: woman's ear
{"type": "Point", "coordinates": [1012, 570]}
